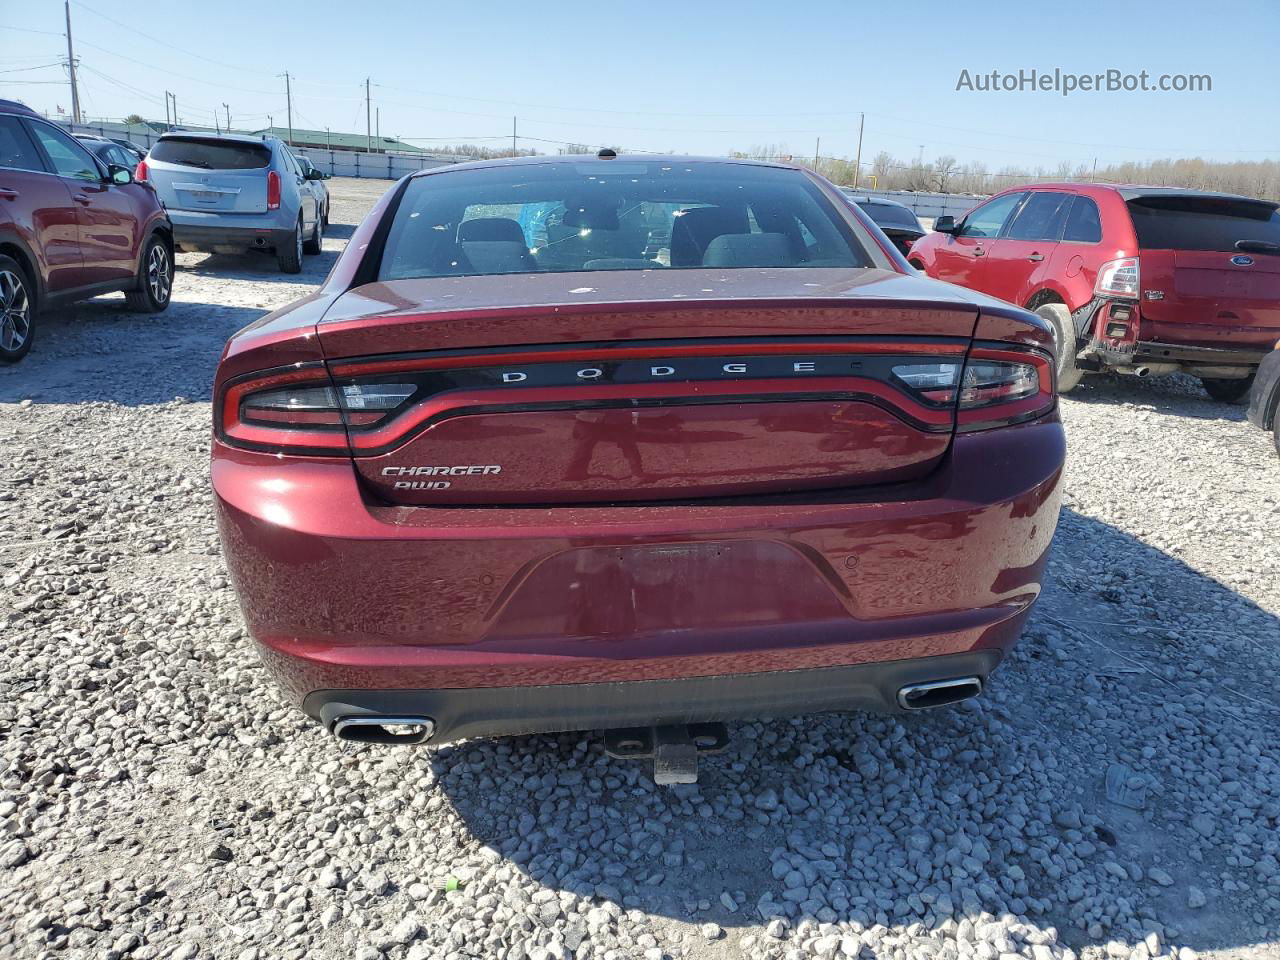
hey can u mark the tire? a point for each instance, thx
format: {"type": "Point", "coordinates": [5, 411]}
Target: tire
{"type": "Point", "coordinates": [290, 257]}
{"type": "Point", "coordinates": [155, 279]}
{"type": "Point", "coordinates": [17, 311]}
{"type": "Point", "coordinates": [314, 243]}
{"type": "Point", "coordinates": [1064, 344]}
{"type": "Point", "coordinates": [1227, 391]}
{"type": "Point", "coordinates": [325, 218]}
{"type": "Point", "coordinates": [1275, 432]}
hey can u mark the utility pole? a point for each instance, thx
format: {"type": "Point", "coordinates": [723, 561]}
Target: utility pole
{"type": "Point", "coordinates": [857, 163]}
{"type": "Point", "coordinates": [167, 124]}
{"type": "Point", "coordinates": [1095, 168]}
{"type": "Point", "coordinates": [288, 106]}
{"type": "Point", "coordinates": [71, 68]}
{"type": "Point", "coordinates": [327, 142]}
{"type": "Point", "coordinates": [817, 145]}
{"type": "Point", "coordinates": [377, 123]}
{"type": "Point", "coordinates": [920, 159]}
{"type": "Point", "coordinates": [368, 127]}
{"type": "Point", "coordinates": [513, 136]}
{"type": "Point", "coordinates": [175, 108]}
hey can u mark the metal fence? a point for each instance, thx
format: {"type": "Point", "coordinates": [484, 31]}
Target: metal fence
{"type": "Point", "coordinates": [337, 163]}
{"type": "Point", "coordinates": [384, 166]}
{"type": "Point", "coordinates": [393, 166]}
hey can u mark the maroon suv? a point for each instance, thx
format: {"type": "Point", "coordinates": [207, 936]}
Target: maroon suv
{"type": "Point", "coordinates": [71, 227]}
{"type": "Point", "coordinates": [1138, 280]}
{"type": "Point", "coordinates": [578, 442]}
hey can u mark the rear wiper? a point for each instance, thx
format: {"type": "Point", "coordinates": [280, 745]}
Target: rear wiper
{"type": "Point", "coordinates": [190, 162]}
{"type": "Point", "coordinates": [1258, 246]}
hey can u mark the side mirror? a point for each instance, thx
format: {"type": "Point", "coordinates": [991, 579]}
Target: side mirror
{"type": "Point", "coordinates": [314, 174]}
{"type": "Point", "coordinates": [945, 224]}
{"type": "Point", "coordinates": [119, 174]}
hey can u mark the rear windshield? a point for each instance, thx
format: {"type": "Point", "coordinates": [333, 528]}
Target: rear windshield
{"type": "Point", "coordinates": [211, 154]}
{"type": "Point", "coordinates": [614, 215]}
{"type": "Point", "coordinates": [891, 215]}
{"type": "Point", "coordinates": [1202, 223]}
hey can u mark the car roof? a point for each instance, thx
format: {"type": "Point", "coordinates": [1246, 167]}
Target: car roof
{"type": "Point", "coordinates": [13, 106]}
{"type": "Point", "coordinates": [595, 158]}
{"type": "Point", "coordinates": [863, 198]}
{"type": "Point", "coordinates": [1135, 191]}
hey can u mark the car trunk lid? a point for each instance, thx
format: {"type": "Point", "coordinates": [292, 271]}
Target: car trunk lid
{"type": "Point", "coordinates": [1210, 269]}
{"type": "Point", "coordinates": [213, 174]}
{"type": "Point", "coordinates": [630, 387]}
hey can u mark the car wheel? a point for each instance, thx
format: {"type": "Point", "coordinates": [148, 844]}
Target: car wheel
{"type": "Point", "coordinates": [314, 242]}
{"type": "Point", "coordinates": [290, 257]}
{"type": "Point", "coordinates": [325, 218]}
{"type": "Point", "coordinates": [155, 279]}
{"type": "Point", "coordinates": [1275, 432]}
{"type": "Point", "coordinates": [17, 311]}
{"type": "Point", "coordinates": [1227, 391]}
{"type": "Point", "coordinates": [1064, 344]}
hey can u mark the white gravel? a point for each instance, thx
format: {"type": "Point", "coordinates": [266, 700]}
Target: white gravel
{"type": "Point", "coordinates": [1116, 794]}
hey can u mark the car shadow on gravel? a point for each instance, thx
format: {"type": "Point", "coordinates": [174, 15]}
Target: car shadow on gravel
{"type": "Point", "coordinates": [97, 351]}
{"type": "Point", "coordinates": [1178, 394]}
{"type": "Point", "coordinates": [256, 267]}
{"type": "Point", "coordinates": [1155, 679]}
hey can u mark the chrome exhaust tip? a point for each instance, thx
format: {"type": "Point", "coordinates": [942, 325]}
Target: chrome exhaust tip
{"type": "Point", "coordinates": [371, 728]}
{"type": "Point", "coordinates": [938, 693]}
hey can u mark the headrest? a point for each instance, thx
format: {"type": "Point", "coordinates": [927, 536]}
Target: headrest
{"type": "Point", "coordinates": [749, 250]}
{"type": "Point", "coordinates": [490, 228]}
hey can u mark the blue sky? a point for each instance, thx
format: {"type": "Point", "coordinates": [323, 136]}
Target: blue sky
{"type": "Point", "coordinates": [697, 77]}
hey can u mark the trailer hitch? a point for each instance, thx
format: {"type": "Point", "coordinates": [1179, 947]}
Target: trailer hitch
{"type": "Point", "coordinates": [673, 748]}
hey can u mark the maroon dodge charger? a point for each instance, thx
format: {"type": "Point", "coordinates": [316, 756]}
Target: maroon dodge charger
{"type": "Point", "coordinates": [604, 442]}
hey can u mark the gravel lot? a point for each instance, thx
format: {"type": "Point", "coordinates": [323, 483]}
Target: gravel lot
{"type": "Point", "coordinates": [1117, 792]}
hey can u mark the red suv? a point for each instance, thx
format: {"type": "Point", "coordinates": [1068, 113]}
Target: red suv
{"type": "Point", "coordinates": [71, 227]}
{"type": "Point", "coordinates": [1138, 280]}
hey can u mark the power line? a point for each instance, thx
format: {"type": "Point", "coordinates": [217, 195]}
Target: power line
{"type": "Point", "coordinates": [43, 66]}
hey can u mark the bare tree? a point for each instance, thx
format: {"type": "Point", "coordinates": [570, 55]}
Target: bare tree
{"type": "Point", "coordinates": [944, 170]}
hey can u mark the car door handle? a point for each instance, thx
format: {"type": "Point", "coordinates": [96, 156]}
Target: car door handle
{"type": "Point", "coordinates": [979, 252]}
{"type": "Point", "coordinates": [8, 194]}
{"type": "Point", "coordinates": [1036, 257]}
{"type": "Point", "coordinates": [81, 198]}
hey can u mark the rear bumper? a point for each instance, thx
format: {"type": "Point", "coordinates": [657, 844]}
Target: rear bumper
{"type": "Point", "coordinates": [209, 233]}
{"type": "Point", "coordinates": [1188, 355]}
{"type": "Point", "coordinates": [510, 711]}
{"type": "Point", "coordinates": [446, 607]}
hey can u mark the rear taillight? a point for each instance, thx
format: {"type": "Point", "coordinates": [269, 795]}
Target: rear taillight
{"type": "Point", "coordinates": [290, 410]}
{"type": "Point", "coordinates": [1118, 278]}
{"type": "Point", "coordinates": [298, 410]}
{"type": "Point", "coordinates": [994, 387]}
{"type": "Point", "coordinates": [140, 172]}
{"type": "Point", "coordinates": [273, 190]}
{"type": "Point", "coordinates": [1001, 386]}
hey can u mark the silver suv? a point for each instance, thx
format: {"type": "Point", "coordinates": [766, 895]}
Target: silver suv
{"type": "Point", "coordinates": [231, 193]}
